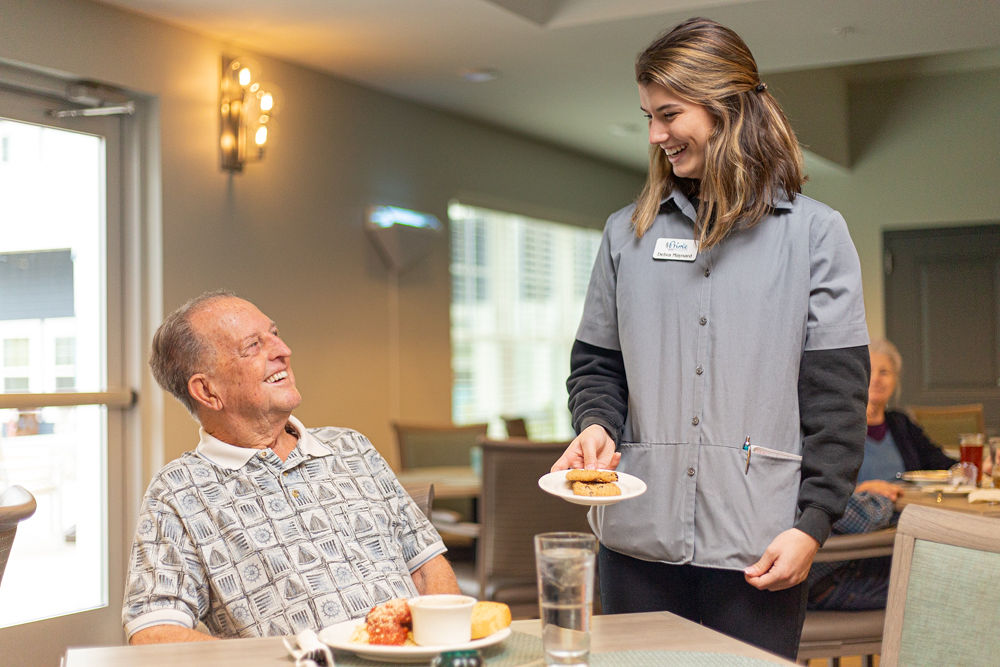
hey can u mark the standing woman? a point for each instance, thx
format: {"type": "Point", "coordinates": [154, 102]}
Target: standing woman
{"type": "Point", "coordinates": [723, 305]}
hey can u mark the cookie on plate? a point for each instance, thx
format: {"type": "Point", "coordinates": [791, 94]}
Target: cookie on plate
{"type": "Point", "coordinates": [596, 489]}
{"type": "Point", "coordinates": [578, 475]}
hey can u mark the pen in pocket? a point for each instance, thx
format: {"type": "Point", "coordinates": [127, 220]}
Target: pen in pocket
{"type": "Point", "coordinates": [746, 446]}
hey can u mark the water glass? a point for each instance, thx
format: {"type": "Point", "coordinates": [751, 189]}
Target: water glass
{"type": "Point", "coordinates": [970, 446]}
{"type": "Point", "coordinates": [565, 566]}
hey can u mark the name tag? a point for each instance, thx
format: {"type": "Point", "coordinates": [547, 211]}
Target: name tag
{"type": "Point", "coordinates": [684, 250]}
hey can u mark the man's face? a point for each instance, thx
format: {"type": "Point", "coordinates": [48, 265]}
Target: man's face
{"type": "Point", "coordinates": [248, 365]}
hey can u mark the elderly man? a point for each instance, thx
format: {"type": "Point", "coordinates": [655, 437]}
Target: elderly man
{"type": "Point", "coordinates": [267, 527]}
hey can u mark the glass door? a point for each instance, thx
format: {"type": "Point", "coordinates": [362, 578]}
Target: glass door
{"type": "Point", "coordinates": [62, 395]}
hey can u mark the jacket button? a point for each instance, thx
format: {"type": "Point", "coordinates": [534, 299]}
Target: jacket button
{"type": "Point", "coordinates": [708, 272]}
{"type": "Point", "coordinates": [695, 421]}
{"type": "Point", "coordinates": [690, 472]}
{"type": "Point", "coordinates": [703, 321]}
{"type": "Point", "coordinates": [699, 370]}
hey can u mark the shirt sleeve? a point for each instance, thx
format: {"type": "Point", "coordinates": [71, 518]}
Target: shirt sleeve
{"type": "Point", "coordinates": [864, 513]}
{"type": "Point", "coordinates": [166, 584]}
{"type": "Point", "coordinates": [598, 388]}
{"type": "Point", "coordinates": [836, 301]}
{"type": "Point", "coordinates": [599, 323]}
{"type": "Point", "coordinates": [833, 396]}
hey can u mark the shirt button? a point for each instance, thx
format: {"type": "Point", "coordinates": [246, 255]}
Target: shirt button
{"type": "Point", "coordinates": [695, 421]}
{"type": "Point", "coordinates": [703, 321]}
{"type": "Point", "coordinates": [699, 370]}
{"type": "Point", "coordinates": [708, 272]}
{"type": "Point", "coordinates": [295, 494]}
{"type": "Point", "coordinates": [690, 472]}
{"type": "Point", "coordinates": [284, 474]}
{"type": "Point", "coordinates": [263, 454]}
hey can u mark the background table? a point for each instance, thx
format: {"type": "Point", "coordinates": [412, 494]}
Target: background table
{"type": "Point", "coordinates": [957, 503]}
{"type": "Point", "coordinates": [647, 631]}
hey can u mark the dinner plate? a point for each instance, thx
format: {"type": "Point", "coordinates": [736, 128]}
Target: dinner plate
{"type": "Point", "coordinates": [556, 484]}
{"type": "Point", "coordinates": [338, 636]}
{"type": "Point", "coordinates": [926, 476]}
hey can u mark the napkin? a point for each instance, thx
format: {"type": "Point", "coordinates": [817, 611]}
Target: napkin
{"type": "Point", "coordinates": [311, 647]}
{"type": "Point", "coordinates": [985, 496]}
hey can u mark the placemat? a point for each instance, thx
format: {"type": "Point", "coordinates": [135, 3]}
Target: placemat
{"type": "Point", "coordinates": [524, 650]}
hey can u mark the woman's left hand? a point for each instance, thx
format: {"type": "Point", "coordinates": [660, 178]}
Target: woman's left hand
{"type": "Point", "coordinates": [785, 562]}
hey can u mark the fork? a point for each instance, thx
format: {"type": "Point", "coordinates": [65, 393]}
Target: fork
{"type": "Point", "coordinates": [307, 658]}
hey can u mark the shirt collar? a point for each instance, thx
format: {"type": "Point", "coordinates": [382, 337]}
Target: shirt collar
{"type": "Point", "coordinates": [677, 201]}
{"type": "Point", "coordinates": [234, 457]}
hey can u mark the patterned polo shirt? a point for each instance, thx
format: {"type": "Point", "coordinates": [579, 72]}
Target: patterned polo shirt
{"type": "Point", "coordinates": [255, 546]}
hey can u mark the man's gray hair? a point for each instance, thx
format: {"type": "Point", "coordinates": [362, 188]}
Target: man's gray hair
{"type": "Point", "coordinates": [178, 351]}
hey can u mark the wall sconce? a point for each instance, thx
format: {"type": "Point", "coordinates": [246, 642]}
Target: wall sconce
{"type": "Point", "coordinates": [245, 109]}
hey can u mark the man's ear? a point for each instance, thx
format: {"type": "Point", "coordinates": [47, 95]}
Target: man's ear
{"type": "Point", "coordinates": [201, 390]}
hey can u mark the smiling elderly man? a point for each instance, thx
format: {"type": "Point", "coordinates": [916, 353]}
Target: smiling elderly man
{"type": "Point", "coordinates": [267, 527]}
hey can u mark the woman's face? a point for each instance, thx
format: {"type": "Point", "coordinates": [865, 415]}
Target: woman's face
{"type": "Point", "coordinates": [680, 128]}
{"type": "Point", "coordinates": [883, 382]}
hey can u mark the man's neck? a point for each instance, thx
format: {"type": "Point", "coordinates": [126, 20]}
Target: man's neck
{"type": "Point", "coordinates": [276, 435]}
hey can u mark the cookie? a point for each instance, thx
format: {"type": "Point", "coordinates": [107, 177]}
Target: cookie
{"type": "Point", "coordinates": [577, 475]}
{"type": "Point", "coordinates": [596, 489]}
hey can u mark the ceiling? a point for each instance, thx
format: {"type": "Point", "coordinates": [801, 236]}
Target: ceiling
{"type": "Point", "coordinates": [565, 66]}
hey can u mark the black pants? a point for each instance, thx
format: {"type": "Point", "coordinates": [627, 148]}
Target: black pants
{"type": "Point", "coordinates": [719, 599]}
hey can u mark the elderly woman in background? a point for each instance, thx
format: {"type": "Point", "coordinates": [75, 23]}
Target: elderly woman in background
{"type": "Point", "coordinates": [894, 445]}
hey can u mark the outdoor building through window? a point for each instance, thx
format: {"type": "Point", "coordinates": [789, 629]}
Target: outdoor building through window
{"type": "Point", "coordinates": [518, 286]}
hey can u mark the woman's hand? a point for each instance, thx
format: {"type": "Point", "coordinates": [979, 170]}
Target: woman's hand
{"type": "Point", "coordinates": [592, 449]}
{"type": "Point", "coordinates": [880, 487]}
{"type": "Point", "coordinates": [785, 562]}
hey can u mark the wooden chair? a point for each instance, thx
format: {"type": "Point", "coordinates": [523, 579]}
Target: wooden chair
{"type": "Point", "coordinates": [943, 423]}
{"type": "Point", "coordinates": [422, 495]}
{"type": "Point", "coordinates": [835, 634]}
{"type": "Point", "coordinates": [513, 509]}
{"type": "Point", "coordinates": [517, 427]}
{"type": "Point", "coordinates": [944, 590]}
{"type": "Point", "coordinates": [16, 505]}
{"type": "Point", "coordinates": [428, 445]}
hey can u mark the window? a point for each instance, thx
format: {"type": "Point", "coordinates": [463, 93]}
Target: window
{"type": "Point", "coordinates": [65, 351]}
{"type": "Point", "coordinates": [15, 385]}
{"type": "Point", "coordinates": [15, 352]}
{"type": "Point", "coordinates": [518, 286]}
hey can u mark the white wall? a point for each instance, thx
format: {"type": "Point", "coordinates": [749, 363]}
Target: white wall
{"type": "Point", "coordinates": [925, 152]}
{"type": "Point", "coordinates": [287, 232]}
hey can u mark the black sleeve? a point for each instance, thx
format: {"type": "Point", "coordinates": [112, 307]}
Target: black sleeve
{"type": "Point", "coordinates": [833, 397]}
{"type": "Point", "coordinates": [598, 389]}
{"type": "Point", "coordinates": [929, 455]}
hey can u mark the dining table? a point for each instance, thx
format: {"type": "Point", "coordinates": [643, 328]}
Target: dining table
{"type": "Point", "coordinates": [944, 499]}
{"type": "Point", "coordinates": [448, 481]}
{"type": "Point", "coordinates": [648, 638]}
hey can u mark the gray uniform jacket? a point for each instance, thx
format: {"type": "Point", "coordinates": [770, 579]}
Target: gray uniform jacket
{"type": "Point", "coordinates": [712, 344]}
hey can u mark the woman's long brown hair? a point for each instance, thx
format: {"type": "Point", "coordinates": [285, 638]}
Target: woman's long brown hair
{"type": "Point", "coordinates": [752, 156]}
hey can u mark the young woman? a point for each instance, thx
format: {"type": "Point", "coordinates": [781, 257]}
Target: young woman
{"type": "Point", "coordinates": [723, 305]}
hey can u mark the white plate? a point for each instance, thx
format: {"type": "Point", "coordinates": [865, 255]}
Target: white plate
{"type": "Point", "coordinates": [926, 476]}
{"type": "Point", "coordinates": [338, 636]}
{"type": "Point", "coordinates": [556, 484]}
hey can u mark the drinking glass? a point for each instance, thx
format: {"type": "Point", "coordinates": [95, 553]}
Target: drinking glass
{"type": "Point", "coordinates": [995, 459]}
{"type": "Point", "coordinates": [970, 447]}
{"type": "Point", "coordinates": [565, 566]}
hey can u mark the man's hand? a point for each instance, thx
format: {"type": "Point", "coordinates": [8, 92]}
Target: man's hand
{"type": "Point", "coordinates": [785, 562]}
{"type": "Point", "coordinates": [880, 487]}
{"type": "Point", "coordinates": [592, 449]}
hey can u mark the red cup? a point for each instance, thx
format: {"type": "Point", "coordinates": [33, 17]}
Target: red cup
{"type": "Point", "coordinates": [973, 454]}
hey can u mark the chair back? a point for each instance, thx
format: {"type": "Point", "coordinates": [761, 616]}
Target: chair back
{"type": "Point", "coordinates": [16, 505]}
{"type": "Point", "coordinates": [422, 495]}
{"type": "Point", "coordinates": [835, 634]}
{"type": "Point", "coordinates": [517, 427]}
{"type": "Point", "coordinates": [512, 511]}
{"type": "Point", "coordinates": [427, 445]}
{"type": "Point", "coordinates": [943, 423]}
{"type": "Point", "coordinates": [944, 590]}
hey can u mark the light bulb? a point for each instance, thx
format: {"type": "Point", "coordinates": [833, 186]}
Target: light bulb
{"type": "Point", "coordinates": [261, 136]}
{"type": "Point", "coordinates": [266, 102]}
{"type": "Point", "coordinates": [244, 76]}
